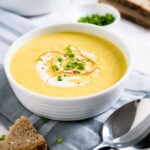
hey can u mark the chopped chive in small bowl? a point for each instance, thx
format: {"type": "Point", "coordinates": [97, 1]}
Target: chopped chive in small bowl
{"type": "Point", "coordinates": [97, 19]}
{"type": "Point", "coordinates": [99, 14]}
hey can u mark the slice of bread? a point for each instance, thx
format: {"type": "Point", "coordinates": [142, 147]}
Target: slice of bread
{"type": "Point", "coordinates": [137, 11]}
{"type": "Point", "coordinates": [23, 136]}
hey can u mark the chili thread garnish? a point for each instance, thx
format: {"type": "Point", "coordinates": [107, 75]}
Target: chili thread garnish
{"type": "Point", "coordinates": [74, 66]}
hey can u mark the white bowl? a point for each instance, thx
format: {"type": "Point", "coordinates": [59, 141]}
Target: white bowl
{"type": "Point", "coordinates": [31, 7]}
{"type": "Point", "coordinates": [89, 9]}
{"type": "Point", "coordinates": [68, 108]}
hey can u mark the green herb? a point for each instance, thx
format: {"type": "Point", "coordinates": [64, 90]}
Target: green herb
{"type": "Point", "coordinates": [60, 59]}
{"type": "Point", "coordinates": [97, 19]}
{"type": "Point", "coordinates": [45, 120]}
{"type": "Point", "coordinates": [70, 54]}
{"type": "Point", "coordinates": [2, 138]}
{"type": "Point", "coordinates": [68, 47]}
{"type": "Point", "coordinates": [59, 140]}
{"type": "Point", "coordinates": [69, 51]}
{"type": "Point", "coordinates": [88, 60]}
{"type": "Point", "coordinates": [74, 64]}
{"type": "Point", "coordinates": [55, 68]}
{"type": "Point", "coordinates": [78, 71]}
{"type": "Point", "coordinates": [68, 66]}
{"type": "Point", "coordinates": [39, 59]}
{"type": "Point", "coordinates": [59, 78]}
{"type": "Point", "coordinates": [81, 66]}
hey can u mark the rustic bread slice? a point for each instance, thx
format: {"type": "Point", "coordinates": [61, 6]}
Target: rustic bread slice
{"type": "Point", "coordinates": [23, 136]}
{"type": "Point", "coordinates": [135, 10]}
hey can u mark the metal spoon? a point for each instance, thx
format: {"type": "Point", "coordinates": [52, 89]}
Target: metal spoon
{"type": "Point", "coordinates": [126, 126]}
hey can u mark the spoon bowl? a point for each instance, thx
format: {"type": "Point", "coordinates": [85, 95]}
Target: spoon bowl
{"type": "Point", "coordinates": [127, 126]}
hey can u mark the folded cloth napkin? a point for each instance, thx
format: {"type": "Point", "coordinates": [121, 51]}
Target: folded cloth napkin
{"type": "Point", "coordinates": [78, 135]}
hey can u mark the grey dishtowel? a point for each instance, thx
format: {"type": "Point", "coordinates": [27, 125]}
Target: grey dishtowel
{"type": "Point", "coordinates": [79, 135]}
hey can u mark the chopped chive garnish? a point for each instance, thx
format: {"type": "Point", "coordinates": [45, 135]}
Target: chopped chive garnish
{"type": "Point", "coordinates": [74, 64]}
{"type": "Point", "coordinates": [100, 20]}
{"type": "Point", "coordinates": [68, 47]}
{"type": "Point", "coordinates": [39, 59]}
{"type": "Point", "coordinates": [45, 120]}
{"type": "Point", "coordinates": [71, 55]}
{"type": "Point", "coordinates": [60, 59]}
{"type": "Point", "coordinates": [81, 66]}
{"type": "Point", "coordinates": [2, 138]}
{"type": "Point", "coordinates": [87, 60]}
{"type": "Point", "coordinates": [68, 66]}
{"type": "Point", "coordinates": [78, 71]}
{"type": "Point", "coordinates": [55, 68]}
{"type": "Point", "coordinates": [59, 140]}
{"type": "Point", "coordinates": [59, 78]}
{"type": "Point", "coordinates": [69, 52]}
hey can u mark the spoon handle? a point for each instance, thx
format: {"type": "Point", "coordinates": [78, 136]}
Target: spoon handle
{"type": "Point", "coordinates": [104, 146]}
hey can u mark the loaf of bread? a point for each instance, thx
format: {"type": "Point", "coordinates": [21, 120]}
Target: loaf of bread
{"type": "Point", "coordinates": [135, 10]}
{"type": "Point", "coordinates": [23, 136]}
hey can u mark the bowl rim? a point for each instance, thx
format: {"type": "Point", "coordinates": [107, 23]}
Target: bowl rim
{"type": "Point", "coordinates": [115, 12]}
{"type": "Point", "coordinates": [66, 99]}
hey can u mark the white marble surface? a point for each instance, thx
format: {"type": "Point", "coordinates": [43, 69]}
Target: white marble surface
{"type": "Point", "coordinates": [137, 38]}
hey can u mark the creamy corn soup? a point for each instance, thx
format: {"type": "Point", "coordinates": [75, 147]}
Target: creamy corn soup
{"type": "Point", "coordinates": [67, 64]}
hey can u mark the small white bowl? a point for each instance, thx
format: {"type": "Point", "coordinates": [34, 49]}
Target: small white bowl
{"type": "Point", "coordinates": [68, 108]}
{"type": "Point", "coordinates": [89, 9]}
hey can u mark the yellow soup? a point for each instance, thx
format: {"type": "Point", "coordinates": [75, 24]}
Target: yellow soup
{"type": "Point", "coordinates": [68, 64]}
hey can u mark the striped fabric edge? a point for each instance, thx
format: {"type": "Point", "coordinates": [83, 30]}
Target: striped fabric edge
{"type": "Point", "coordinates": [13, 30]}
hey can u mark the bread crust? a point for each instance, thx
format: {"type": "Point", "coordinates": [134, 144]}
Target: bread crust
{"type": "Point", "coordinates": [143, 5]}
{"type": "Point", "coordinates": [136, 11]}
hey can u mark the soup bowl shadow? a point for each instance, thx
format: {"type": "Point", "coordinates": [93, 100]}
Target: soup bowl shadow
{"type": "Point", "coordinates": [75, 108]}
